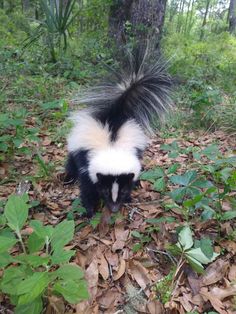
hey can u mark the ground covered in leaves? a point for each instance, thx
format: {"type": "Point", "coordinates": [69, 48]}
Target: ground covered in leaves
{"type": "Point", "coordinates": [129, 259]}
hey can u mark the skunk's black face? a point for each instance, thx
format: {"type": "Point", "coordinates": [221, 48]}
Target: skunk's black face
{"type": "Point", "coordinates": [115, 190]}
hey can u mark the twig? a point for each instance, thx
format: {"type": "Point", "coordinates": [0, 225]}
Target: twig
{"type": "Point", "coordinates": [172, 258]}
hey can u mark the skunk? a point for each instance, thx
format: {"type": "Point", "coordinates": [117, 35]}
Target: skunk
{"type": "Point", "coordinates": [108, 138]}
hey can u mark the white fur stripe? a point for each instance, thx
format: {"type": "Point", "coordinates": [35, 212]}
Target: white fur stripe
{"type": "Point", "coordinates": [114, 191]}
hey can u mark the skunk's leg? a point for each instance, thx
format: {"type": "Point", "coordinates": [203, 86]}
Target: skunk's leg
{"type": "Point", "coordinates": [88, 195]}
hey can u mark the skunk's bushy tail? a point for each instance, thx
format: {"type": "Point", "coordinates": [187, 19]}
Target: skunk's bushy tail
{"type": "Point", "coordinates": [140, 91]}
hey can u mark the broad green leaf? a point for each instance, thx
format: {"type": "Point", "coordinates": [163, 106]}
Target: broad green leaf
{"type": "Point", "coordinates": [195, 264]}
{"type": "Point", "coordinates": [41, 230]}
{"type": "Point", "coordinates": [160, 220]}
{"type": "Point", "coordinates": [16, 211]}
{"type": "Point", "coordinates": [73, 292]}
{"type": "Point", "coordinates": [206, 247]}
{"type": "Point", "coordinates": [208, 213]}
{"type": "Point", "coordinates": [34, 307]}
{"type": "Point", "coordinates": [228, 215]}
{"type": "Point", "coordinates": [178, 194]}
{"type": "Point", "coordinates": [2, 220]}
{"type": "Point", "coordinates": [62, 234]}
{"type": "Point", "coordinates": [70, 271]}
{"type": "Point", "coordinates": [32, 287]}
{"type": "Point", "coordinates": [136, 247]}
{"type": "Point", "coordinates": [5, 259]}
{"type": "Point", "coordinates": [202, 184]}
{"type": "Point", "coordinates": [160, 185]}
{"type": "Point", "coordinates": [185, 238]}
{"type": "Point", "coordinates": [194, 201]}
{"type": "Point", "coordinates": [173, 168]}
{"type": "Point", "coordinates": [152, 174]}
{"type": "Point", "coordinates": [95, 221]}
{"type": "Point", "coordinates": [200, 256]}
{"type": "Point", "coordinates": [61, 256]}
{"type": "Point", "coordinates": [136, 234]}
{"type": "Point", "coordinates": [6, 243]}
{"type": "Point", "coordinates": [12, 276]}
{"type": "Point", "coordinates": [33, 260]}
{"type": "Point", "coordinates": [185, 179]}
{"type": "Point", "coordinates": [35, 243]}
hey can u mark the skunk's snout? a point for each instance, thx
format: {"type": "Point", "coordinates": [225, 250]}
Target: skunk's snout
{"type": "Point", "coordinates": [114, 207]}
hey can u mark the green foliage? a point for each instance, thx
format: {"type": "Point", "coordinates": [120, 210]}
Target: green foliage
{"type": "Point", "coordinates": [54, 29]}
{"type": "Point", "coordinates": [164, 287]}
{"type": "Point", "coordinates": [198, 191]}
{"type": "Point", "coordinates": [196, 255]}
{"type": "Point", "coordinates": [204, 69]}
{"type": "Point", "coordinates": [43, 265]}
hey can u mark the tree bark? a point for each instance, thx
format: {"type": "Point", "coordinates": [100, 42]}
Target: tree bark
{"type": "Point", "coordinates": [25, 5]}
{"type": "Point", "coordinates": [138, 19]}
{"type": "Point", "coordinates": [204, 19]}
{"type": "Point", "coordinates": [232, 17]}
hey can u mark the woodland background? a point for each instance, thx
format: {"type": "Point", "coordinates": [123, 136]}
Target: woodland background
{"type": "Point", "coordinates": [173, 249]}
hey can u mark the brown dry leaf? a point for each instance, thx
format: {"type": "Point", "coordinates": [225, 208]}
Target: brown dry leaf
{"type": "Point", "coordinates": [139, 273]}
{"type": "Point", "coordinates": [109, 298]}
{"type": "Point", "coordinates": [118, 245]}
{"type": "Point", "coordinates": [85, 232]}
{"type": "Point", "coordinates": [230, 246]}
{"type": "Point", "coordinates": [112, 258]}
{"type": "Point", "coordinates": [121, 270]}
{"type": "Point", "coordinates": [84, 308]}
{"type": "Point", "coordinates": [222, 293]}
{"type": "Point", "coordinates": [155, 307]}
{"type": "Point", "coordinates": [185, 301]}
{"type": "Point", "coordinates": [194, 282]}
{"type": "Point", "coordinates": [232, 273]}
{"type": "Point", "coordinates": [214, 272]}
{"type": "Point", "coordinates": [216, 303]}
{"type": "Point", "coordinates": [56, 305]}
{"type": "Point", "coordinates": [91, 275]}
{"type": "Point", "coordinates": [104, 226]}
{"type": "Point", "coordinates": [103, 267]}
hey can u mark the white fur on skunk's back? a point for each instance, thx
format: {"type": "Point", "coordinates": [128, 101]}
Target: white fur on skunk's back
{"type": "Point", "coordinates": [106, 156]}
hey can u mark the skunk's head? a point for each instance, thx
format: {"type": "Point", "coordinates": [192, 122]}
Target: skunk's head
{"type": "Point", "coordinates": [115, 190]}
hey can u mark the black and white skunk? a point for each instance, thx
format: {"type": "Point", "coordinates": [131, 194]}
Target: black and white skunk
{"type": "Point", "coordinates": [106, 143]}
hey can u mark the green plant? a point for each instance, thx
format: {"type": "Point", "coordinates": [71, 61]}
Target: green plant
{"type": "Point", "coordinates": [143, 239]}
{"type": "Point", "coordinates": [195, 254]}
{"type": "Point", "coordinates": [39, 266]}
{"type": "Point", "coordinates": [14, 133]}
{"type": "Point", "coordinates": [163, 287]}
{"type": "Point", "coordinates": [54, 29]}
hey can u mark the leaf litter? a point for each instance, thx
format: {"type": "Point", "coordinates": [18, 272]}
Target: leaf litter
{"type": "Point", "coordinates": [120, 278]}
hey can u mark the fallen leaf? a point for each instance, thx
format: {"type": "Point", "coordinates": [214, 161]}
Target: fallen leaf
{"type": "Point", "coordinates": [155, 307]}
{"type": "Point", "coordinates": [121, 270]}
{"type": "Point", "coordinates": [91, 275]}
{"type": "Point", "coordinates": [103, 267]}
{"type": "Point", "coordinates": [214, 272]}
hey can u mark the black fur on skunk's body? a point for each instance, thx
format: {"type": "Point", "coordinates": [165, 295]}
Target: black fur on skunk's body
{"type": "Point", "coordinates": [109, 136]}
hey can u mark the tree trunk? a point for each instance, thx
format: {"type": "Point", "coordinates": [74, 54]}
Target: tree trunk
{"type": "Point", "coordinates": [232, 17]}
{"type": "Point", "coordinates": [1, 4]}
{"type": "Point", "coordinates": [25, 5]}
{"type": "Point", "coordinates": [204, 19]}
{"type": "Point", "coordinates": [137, 19]}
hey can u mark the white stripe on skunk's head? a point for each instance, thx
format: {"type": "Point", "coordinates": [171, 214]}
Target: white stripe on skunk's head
{"type": "Point", "coordinates": [113, 161]}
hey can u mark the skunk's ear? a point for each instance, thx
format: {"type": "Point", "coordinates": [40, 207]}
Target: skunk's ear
{"type": "Point", "coordinates": [99, 176]}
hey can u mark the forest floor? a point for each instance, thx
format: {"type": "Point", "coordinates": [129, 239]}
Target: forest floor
{"type": "Point", "coordinates": [127, 263]}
